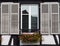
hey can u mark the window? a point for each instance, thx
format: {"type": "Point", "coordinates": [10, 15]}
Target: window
{"type": "Point", "coordinates": [29, 17]}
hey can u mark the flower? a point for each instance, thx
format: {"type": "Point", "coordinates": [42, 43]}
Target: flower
{"type": "Point", "coordinates": [31, 37]}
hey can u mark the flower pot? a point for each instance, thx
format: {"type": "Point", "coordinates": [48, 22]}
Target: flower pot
{"type": "Point", "coordinates": [29, 43]}
{"type": "Point", "coordinates": [30, 38]}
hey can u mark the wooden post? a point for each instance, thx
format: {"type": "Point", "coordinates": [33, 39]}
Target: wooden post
{"type": "Point", "coordinates": [16, 41]}
{"type": "Point", "coordinates": [59, 39]}
{"type": "Point", "coordinates": [55, 39]}
{"type": "Point", "coordinates": [41, 40]}
{"type": "Point", "coordinates": [0, 40]}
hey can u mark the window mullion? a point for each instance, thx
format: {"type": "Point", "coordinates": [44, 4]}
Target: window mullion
{"type": "Point", "coordinates": [29, 18]}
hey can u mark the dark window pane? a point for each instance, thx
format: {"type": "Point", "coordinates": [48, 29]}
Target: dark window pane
{"type": "Point", "coordinates": [25, 23]}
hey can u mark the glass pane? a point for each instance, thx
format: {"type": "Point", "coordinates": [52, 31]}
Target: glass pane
{"type": "Point", "coordinates": [34, 18]}
{"type": "Point", "coordinates": [25, 18]}
{"type": "Point", "coordinates": [34, 10]}
{"type": "Point", "coordinates": [30, 17]}
{"type": "Point", "coordinates": [25, 9]}
{"type": "Point", "coordinates": [25, 23]}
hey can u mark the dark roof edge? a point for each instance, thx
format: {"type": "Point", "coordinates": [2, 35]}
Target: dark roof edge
{"type": "Point", "coordinates": [29, 0]}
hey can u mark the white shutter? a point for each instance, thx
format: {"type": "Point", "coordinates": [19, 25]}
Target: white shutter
{"type": "Point", "coordinates": [44, 19]}
{"type": "Point", "coordinates": [49, 18]}
{"type": "Point", "coordinates": [9, 18]}
{"type": "Point", "coordinates": [54, 23]}
{"type": "Point", "coordinates": [4, 19]}
{"type": "Point", "coordinates": [55, 18]}
{"type": "Point", "coordinates": [14, 18]}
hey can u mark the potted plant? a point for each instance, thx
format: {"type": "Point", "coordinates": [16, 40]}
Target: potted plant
{"type": "Point", "coordinates": [29, 38]}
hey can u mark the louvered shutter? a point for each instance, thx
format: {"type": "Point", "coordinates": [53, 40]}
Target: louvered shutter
{"type": "Point", "coordinates": [55, 18]}
{"type": "Point", "coordinates": [4, 19]}
{"type": "Point", "coordinates": [9, 18]}
{"type": "Point", "coordinates": [50, 19]}
{"type": "Point", "coordinates": [14, 18]}
{"type": "Point", "coordinates": [44, 28]}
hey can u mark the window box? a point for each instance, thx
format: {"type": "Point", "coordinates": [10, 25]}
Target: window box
{"type": "Point", "coordinates": [30, 37]}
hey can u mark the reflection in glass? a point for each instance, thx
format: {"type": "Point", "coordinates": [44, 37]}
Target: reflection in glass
{"type": "Point", "coordinates": [25, 7]}
{"type": "Point", "coordinates": [30, 18]}
{"type": "Point", "coordinates": [34, 18]}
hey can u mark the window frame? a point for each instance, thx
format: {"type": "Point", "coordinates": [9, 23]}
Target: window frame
{"type": "Point", "coordinates": [38, 4]}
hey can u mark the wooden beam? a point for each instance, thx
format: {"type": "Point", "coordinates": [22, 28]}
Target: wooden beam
{"type": "Point", "coordinates": [59, 39]}
{"type": "Point", "coordinates": [16, 41]}
{"type": "Point", "coordinates": [0, 40]}
{"type": "Point", "coordinates": [55, 39]}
